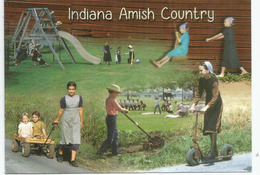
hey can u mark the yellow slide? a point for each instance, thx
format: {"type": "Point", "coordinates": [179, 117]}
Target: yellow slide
{"type": "Point", "coordinates": [87, 56]}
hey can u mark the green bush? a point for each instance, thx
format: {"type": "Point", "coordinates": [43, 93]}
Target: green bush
{"type": "Point", "coordinates": [234, 77]}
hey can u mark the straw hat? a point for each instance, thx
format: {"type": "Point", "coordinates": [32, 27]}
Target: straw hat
{"type": "Point", "coordinates": [58, 23]}
{"type": "Point", "coordinates": [114, 88]}
{"type": "Point", "coordinates": [130, 46]}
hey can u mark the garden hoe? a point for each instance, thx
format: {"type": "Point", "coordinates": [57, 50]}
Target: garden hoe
{"type": "Point", "coordinates": [153, 141]}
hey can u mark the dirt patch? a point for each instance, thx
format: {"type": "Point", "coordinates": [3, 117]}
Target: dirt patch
{"type": "Point", "coordinates": [235, 89]}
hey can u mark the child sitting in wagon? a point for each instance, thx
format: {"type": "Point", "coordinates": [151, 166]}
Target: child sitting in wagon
{"type": "Point", "coordinates": [25, 128]}
{"type": "Point", "coordinates": [38, 126]}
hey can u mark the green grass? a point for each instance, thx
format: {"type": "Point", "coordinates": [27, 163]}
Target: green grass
{"type": "Point", "coordinates": [29, 88]}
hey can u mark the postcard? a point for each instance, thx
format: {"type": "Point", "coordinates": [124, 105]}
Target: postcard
{"type": "Point", "coordinates": [131, 86]}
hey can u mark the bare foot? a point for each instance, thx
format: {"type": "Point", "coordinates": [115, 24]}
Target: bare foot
{"type": "Point", "coordinates": [156, 64]}
{"type": "Point", "coordinates": [243, 73]}
{"type": "Point", "coordinates": [220, 75]}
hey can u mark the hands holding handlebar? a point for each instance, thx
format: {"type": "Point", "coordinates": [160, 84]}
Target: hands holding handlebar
{"type": "Point", "coordinates": [203, 110]}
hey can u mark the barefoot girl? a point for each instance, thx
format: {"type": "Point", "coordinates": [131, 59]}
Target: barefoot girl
{"type": "Point", "coordinates": [230, 56]}
{"type": "Point", "coordinates": [180, 50]}
{"type": "Point", "coordinates": [213, 109]}
{"type": "Point", "coordinates": [72, 122]}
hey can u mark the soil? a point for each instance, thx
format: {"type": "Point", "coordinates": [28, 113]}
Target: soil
{"type": "Point", "coordinates": [227, 90]}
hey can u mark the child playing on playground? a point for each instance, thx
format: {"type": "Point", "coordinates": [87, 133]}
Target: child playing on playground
{"type": "Point", "coordinates": [180, 50]}
{"type": "Point", "coordinates": [131, 54]}
{"type": "Point", "coordinates": [112, 108]}
{"type": "Point", "coordinates": [37, 56]}
{"type": "Point", "coordinates": [118, 55]}
{"type": "Point", "coordinates": [21, 54]}
{"type": "Point", "coordinates": [72, 122]}
{"type": "Point", "coordinates": [25, 128]}
{"type": "Point", "coordinates": [230, 56]}
{"type": "Point", "coordinates": [38, 126]}
{"type": "Point", "coordinates": [107, 54]}
{"type": "Point", "coordinates": [213, 109]}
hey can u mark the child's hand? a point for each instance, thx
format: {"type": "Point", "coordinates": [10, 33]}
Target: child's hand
{"type": "Point", "coordinates": [55, 123]}
{"type": "Point", "coordinates": [81, 125]}
{"type": "Point", "coordinates": [208, 39]}
{"type": "Point", "coordinates": [125, 111]}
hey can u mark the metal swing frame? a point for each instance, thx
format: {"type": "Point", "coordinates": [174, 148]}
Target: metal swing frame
{"type": "Point", "coordinates": [23, 32]}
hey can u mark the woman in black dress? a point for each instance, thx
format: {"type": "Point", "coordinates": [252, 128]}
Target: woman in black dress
{"type": "Point", "coordinates": [213, 106]}
{"type": "Point", "coordinates": [107, 54]}
{"type": "Point", "coordinates": [230, 56]}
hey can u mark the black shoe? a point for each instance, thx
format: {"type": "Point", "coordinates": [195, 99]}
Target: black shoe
{"type": "Point", "coordinates": [211, 155]}
{"type": "Point", "coordinates": [73, 163]}
{"type": "Point", "coordinates": [59, 158]}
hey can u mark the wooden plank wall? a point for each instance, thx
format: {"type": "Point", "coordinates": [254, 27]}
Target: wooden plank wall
{"type": "Point", "coordinates": [158, 29]}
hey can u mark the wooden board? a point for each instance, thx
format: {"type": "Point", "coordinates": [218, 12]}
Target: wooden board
{"type": "Point", "coordinates": [158, 29]}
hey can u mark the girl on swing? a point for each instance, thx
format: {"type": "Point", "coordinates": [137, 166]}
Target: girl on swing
{"type": "Point", "coordinates": [180, 50]}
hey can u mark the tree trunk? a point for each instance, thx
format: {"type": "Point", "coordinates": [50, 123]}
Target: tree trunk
{"type": "Point", "coordinates": [162, 93]}
{"type": "Point", "coordinates": [127, 95]}
{"type": "Point", "coordinates": [182, 95]}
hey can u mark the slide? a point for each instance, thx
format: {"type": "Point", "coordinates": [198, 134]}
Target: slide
{"type": "Point", "coordinates": [87, 56]}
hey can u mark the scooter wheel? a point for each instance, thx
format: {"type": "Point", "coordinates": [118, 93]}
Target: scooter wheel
{"type": "Point", "coordinates": [227, 150]}
{"type": "Point", "coordinates": [190, 157]}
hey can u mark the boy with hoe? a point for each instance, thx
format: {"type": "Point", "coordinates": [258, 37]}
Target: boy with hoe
{"type": "Point", "coordinates": [112, 108]}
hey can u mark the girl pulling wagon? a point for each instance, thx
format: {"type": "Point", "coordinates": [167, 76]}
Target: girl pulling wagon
{"type": "Point", "coordinates": [72, 122]}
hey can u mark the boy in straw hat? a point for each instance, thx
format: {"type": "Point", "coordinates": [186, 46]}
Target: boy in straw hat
{"type": "Point", "coordinates": [131, 54]}
{"type": "Point", "coordinates": [112, 108]}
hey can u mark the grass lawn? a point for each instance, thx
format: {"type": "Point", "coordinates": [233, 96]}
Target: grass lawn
{"type": "Point", "coordinates": [29, 88]}
{"type": "Point", "coordinates": [40, 88]}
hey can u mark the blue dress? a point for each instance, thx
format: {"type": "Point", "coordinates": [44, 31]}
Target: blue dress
{"type": "Point", "coordinates": [182, 49]}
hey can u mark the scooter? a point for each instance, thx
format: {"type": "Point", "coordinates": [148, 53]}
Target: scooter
{"type": "Point", "coordinates": [195, 154]}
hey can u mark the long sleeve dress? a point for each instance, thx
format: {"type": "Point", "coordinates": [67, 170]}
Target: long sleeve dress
{"type": "Point", "coordinates": [183, 48]}
{"type": "Point", "coordinates": [213, 115]}
{"type": "Point", "coordinates": [107, 56]}
{"type": "Point", "coordinates": [230, 56]}
{"type": "Point", "coordinates": [70, 127]}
